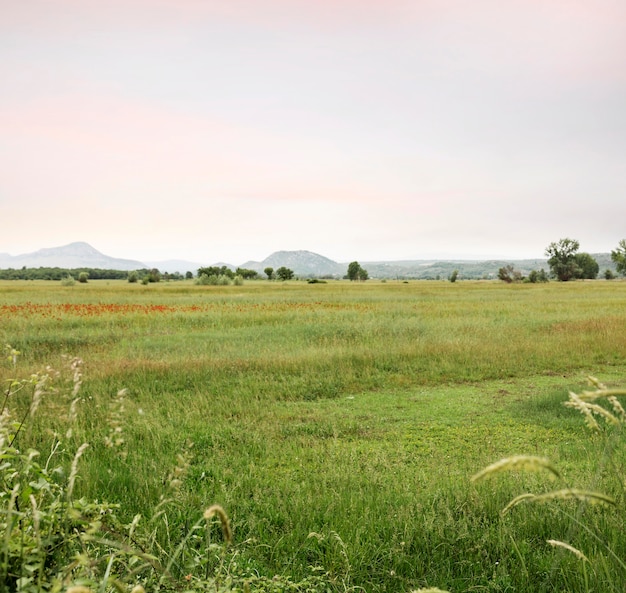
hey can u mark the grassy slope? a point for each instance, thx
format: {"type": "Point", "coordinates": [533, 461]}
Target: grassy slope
{"type": "Point", "coordinates": [358, 410]}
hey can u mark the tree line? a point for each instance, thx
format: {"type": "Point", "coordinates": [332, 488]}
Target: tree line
{"type": "Point", "coordinates": [567, 263]}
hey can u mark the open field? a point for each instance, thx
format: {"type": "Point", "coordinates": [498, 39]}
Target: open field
{"type": "Point", "coordinates": [339, 424]}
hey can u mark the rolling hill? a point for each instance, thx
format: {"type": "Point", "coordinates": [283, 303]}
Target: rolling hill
{"type": "Point", "coordinates": [305, 264]}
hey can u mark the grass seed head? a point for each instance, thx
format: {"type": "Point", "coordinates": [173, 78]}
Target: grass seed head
{"type": "Point", "coordinates": [529, 463]}
{"type": "Point", "coordinates": [559, 544]}
{"type": "Point", "coordinates": [216, 509]}
{"type": "Point", "coordinates": [565, 494]}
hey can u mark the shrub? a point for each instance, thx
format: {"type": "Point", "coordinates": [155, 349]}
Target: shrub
{"type": "Point", "coordinates": [68, 281]}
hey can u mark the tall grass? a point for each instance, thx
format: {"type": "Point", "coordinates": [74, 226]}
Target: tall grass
{"type": "Point", "coordinates": [355, 413]}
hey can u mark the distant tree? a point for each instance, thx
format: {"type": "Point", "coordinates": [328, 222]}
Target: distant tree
{"type": "Point", "coordinates": [189, 275]}
{"type": "Point", "coordinates": [562, 259]}
{"type": "Point", "coordinates": [509, 274]}
{"type": "Point", "coordinates": [453, 276]}
{"type": "Point", "coordinates": [154, 275]}
{"type": "Point", "coordinates": [217, 271]}
{"type": "Point", "coordinates": [609, 275]}
{"type": "Point", "coordinates": [353, 270]}
{"type": "Point", "coordinates": [534, 276]}
{"type": "Point", "coordinates": [587, 265]}
{"type": "Point", "coordinates": [269, 272]}
{"type": "Point", "coordinates": [356, 272]}
{"type": "Point", "coordinates": [284, 273]}
{"type": "Point", "coordinates": [247, 274]}
{"type": "Point", "coordinates": [619, 257]}
{"type": "Point", "coordinates": [82, 277]}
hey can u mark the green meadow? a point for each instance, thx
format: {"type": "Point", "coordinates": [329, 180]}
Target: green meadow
{"type": "Point", "coordinates": [338, 425]}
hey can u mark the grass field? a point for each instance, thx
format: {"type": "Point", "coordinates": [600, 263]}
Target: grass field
{"type": "Point", "coordinates": [338, 425]}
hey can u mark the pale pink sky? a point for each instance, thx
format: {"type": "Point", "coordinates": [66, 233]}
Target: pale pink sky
{"type": "Point", "coordinates": [223, 131]}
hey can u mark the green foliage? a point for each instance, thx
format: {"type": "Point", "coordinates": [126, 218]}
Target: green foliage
{"type": "Point", "coordinates": [587, 265]}
{"type": "Point", "coordinates": [218, 280]}
{"type": "Point", "coordinates": [356, 272]}
{"type": "Point", "coordinates": [60, 273]}
{"type": "Point", "coordinates": [562, 259]}
{"type": "Point", "coordinates": [153, 275]}
{"type": "Point", "coordinates": [247, 274]}
{"type": "Point", "coordinates": [68, 281]}
{"type": "Point", "coordinates": [188, 275]}
{"type": "Point", "coordinates": [133, 277]}
{"type": "Point", "coordinates": [618, 256]}
{"type": "Point", "coordinates": [284, 273]}
{"type": "Point", "coordinates": [535, 277]}
{"type": "Point", "coordinates": [609, 275]}
{"type": "Point", "coordinates": [269, 272]}
{"type": "Point", "coordinates": [83, 277]}
{"type": "Point", "coordinates": [509, 274]}
{"type": "Point", "coordinates": [453, 276]}
{"type": "Point", "coordinates": [217, 271]}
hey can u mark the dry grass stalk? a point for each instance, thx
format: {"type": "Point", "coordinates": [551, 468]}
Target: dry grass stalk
{"type": "Point", "coordinates": [216, 509]}
{"type": "Point", "coordinates": [74, 470]}
{"type": "Point", "coordinates": [530, 463]}
{"type": "Point", "coordinates": [559, 544]}
{"type": "Point", "coordinates": [565, 494]}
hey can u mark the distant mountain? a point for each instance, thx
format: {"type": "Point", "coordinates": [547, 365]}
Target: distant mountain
{"type": "Point", "coordinates": [74, 255]}
{"type": "Point", "coordinates": [303, 263]}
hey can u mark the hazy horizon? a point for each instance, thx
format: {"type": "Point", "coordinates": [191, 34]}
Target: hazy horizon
{"type": "Point", "coordinates": [369, 131]}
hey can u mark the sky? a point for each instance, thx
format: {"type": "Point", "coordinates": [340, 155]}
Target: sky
{"type": "Point", "coordinates": [225, 130]}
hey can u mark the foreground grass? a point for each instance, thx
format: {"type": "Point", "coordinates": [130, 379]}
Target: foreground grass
{"type": "Point", "coordinates": [356, 413]}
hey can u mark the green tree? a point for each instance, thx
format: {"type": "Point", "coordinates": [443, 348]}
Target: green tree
{"type": "Point", "coordinates": [246, 274]}
{"type": "Point", "coordinates": [284, 273]}
{"type": "Point", "coordinates": [609, 275]}
{"type": "Point", "coordinates": [189, 275]}
{"type": "Point", "coordinates": [154, 275]}
{"type": "Point", "coordinates": [509, 274]}
{"type": "Point", "coordinates": [619, 257]}
{"type": "Point", "coordinates": [217, 271]}
{"type": "Point", "coordinates": [82, 277]}
{"type": "Point", "coordinates": [356, 272]}
{"type": "Point", "coordinates": [269, 272]}
{"type": "Point", "coordinates": [588, 266]}
{"type": "Point", "coordinates": [562, 259]}
{"type": "Point", "coordinates": [453, 276]}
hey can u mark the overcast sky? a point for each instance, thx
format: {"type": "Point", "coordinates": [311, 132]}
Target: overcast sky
{"type": "Point", "coordinates": [225, 130]}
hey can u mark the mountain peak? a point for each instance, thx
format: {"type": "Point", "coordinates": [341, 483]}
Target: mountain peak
{"type": "Point", "coordinates": [73, 255]}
